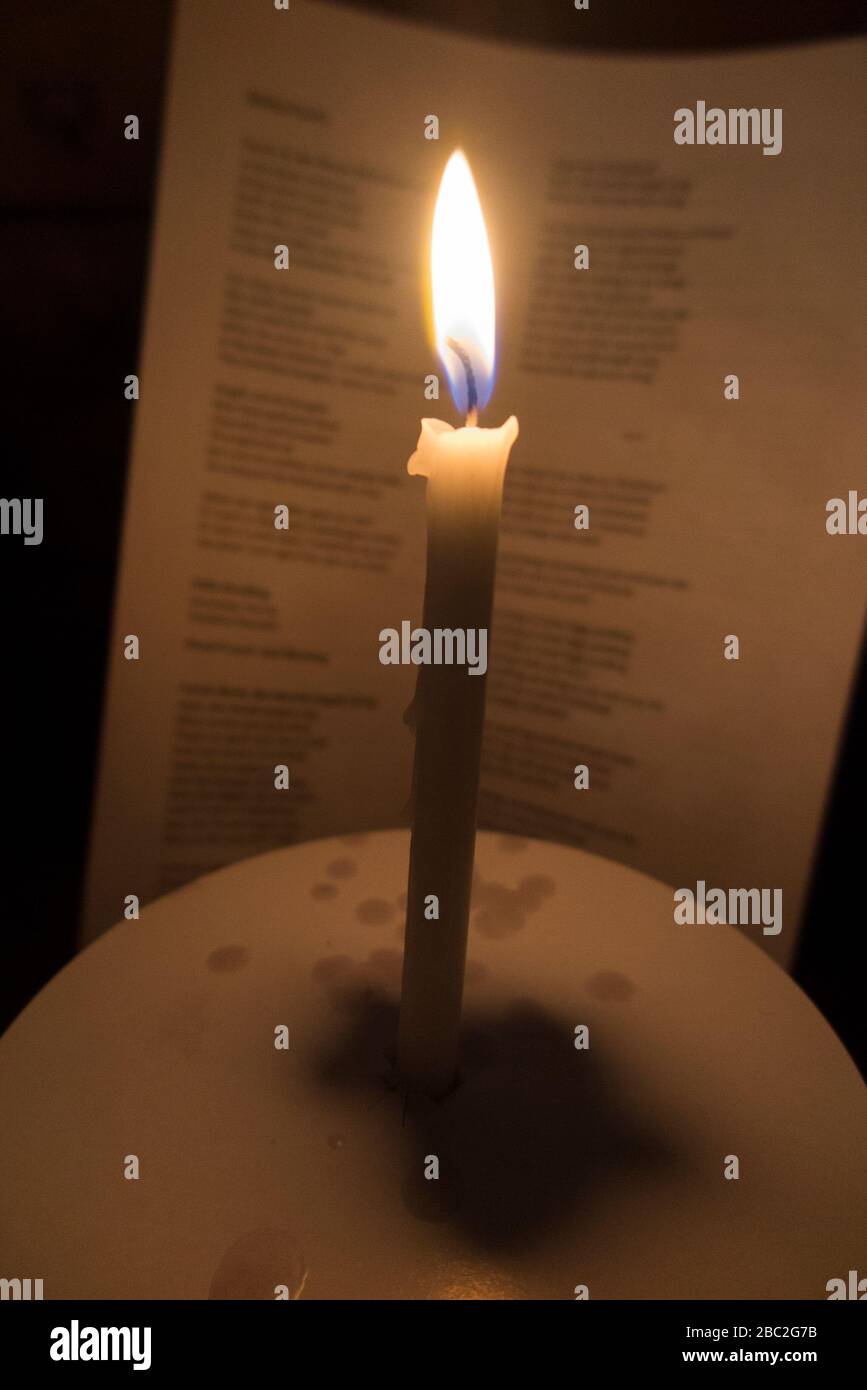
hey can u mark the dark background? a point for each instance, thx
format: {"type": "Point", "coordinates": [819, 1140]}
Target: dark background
{"type": "Point", "coordinates": [76, 203]}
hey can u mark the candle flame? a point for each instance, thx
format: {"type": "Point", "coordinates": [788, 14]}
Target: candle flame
{"type": "Point", "coordinates": [462, 278]}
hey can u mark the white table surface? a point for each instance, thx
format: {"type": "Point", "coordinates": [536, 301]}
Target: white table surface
{"type": "Point", "coordinates": [558, 1167]}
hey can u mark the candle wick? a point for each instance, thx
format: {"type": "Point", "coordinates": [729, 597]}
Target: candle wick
{"type": "Point", "coordinates": [472, 393]}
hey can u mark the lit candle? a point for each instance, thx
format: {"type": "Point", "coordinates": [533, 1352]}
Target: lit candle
{"type": "Point", "coordinates": [465, 470]}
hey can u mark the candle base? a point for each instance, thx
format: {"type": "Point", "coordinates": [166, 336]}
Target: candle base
{"type": "Point", "coordinates": [304, 1172]}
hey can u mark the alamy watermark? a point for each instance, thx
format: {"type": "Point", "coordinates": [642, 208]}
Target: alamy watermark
{"type": "Point", "coordinates": [735, 125]}
{"type": "Point", "coordinates": [736, 906]}
{"type": "Point", "coordinates": [441, 646]}
{"type": "Point", "coordinates": [22, 516]}
{"type": "Point", "coordinates": [77, 1343]}
{"type": "Point", "coordinates": [21, 1290]}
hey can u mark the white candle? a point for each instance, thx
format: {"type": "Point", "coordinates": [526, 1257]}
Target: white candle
{"type": "Point", "coordinates": [465, 470]}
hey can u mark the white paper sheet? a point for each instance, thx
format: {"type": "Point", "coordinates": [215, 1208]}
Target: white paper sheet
{"type": "Point", "coordinates": [305, 387]}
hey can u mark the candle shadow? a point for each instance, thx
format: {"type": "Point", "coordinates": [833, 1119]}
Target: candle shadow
{"type": "Point", "coordinates": [533, 1129]}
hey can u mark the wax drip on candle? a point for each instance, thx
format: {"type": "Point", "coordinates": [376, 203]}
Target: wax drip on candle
{"type": "Point", "coordinates": [472, 393]}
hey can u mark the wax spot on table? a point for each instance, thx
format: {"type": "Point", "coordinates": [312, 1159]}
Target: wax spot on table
{"type": "Point", "coordinates": [336, 1141]}
{"type": "Point", "coordinates": [257, 1263]}
{"type": "Point", "coordinates": [352, 984]}
{"type": "Point", "coordinates": [373, 912]}
{"type": "Point", "coordinates": [535, 889]}
{"type": "Point", "coordinates": [610, 986]}
{"type": "Point", "coordinates": [227, 959]}
{"type": "Point", "coordinates": [342, 868]}
{"type": "Point", "coordinates": [500, 910]}
{"type": "Point", "coordinates": [323, 890]}
{"type": "Point", "coordinates": [512, 844]}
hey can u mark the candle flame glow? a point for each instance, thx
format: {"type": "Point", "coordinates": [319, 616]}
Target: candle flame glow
{"type": "Point", "coordinates": [462, 278]}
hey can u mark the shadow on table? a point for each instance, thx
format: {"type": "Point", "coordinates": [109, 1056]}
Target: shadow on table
{"type": "Point", "coordinates": [533, 1129]}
